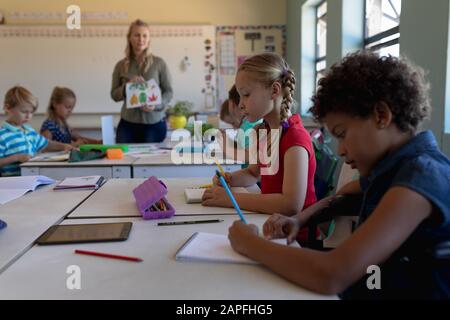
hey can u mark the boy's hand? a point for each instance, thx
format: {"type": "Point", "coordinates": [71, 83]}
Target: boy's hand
{"type": "Point", "coordinates": [227, 178]}
{"type": "Point", "coordinates": [279, 226]}
{"type": "Point", "coordinates": [23, 157]}
{"type": "Point", "coordinates": [239, 234]}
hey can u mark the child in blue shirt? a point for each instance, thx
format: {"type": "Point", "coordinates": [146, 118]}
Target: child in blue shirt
{"type": "Point", "coordinates": [374, 107]}
{"type": "Point", "coordinates": [55, 127]}
{"type": "Point", "coordinates": [18, 141]}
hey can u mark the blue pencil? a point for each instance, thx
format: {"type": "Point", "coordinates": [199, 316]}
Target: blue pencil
{"type": "Point", "coordinates": [233, 200]}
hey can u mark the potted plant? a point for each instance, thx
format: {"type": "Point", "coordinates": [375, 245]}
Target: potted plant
{"type": "Point", "coordinates": [179, 113]}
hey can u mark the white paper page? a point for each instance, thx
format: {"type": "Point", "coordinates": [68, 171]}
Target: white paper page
{"type": "Point", "coordinates": [9, 195]}
{"type": "Point", "coordinates": [24, 182]}
{"type": "Point", "coordinates": [79, 181]}
{"type": "Point", "coordinates": [210, 247]}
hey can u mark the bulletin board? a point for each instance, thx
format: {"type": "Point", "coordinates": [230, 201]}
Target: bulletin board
{"type": "Point", "coordinates": [236, 43]}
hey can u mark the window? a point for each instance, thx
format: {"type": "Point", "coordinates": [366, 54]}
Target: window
{"type": "Point", "coordinates": [321, 40]}
{"type": "Point", "coordinates": [382, 27]}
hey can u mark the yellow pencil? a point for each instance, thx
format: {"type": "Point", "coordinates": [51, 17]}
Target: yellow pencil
{"type": "Point", "coordinates": [220, 167]}
{"type": "Point", "coordinates": [206, 186]}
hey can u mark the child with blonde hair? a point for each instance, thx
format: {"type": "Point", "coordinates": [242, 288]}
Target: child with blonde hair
{"type": "Point", "coordinates": [55, 127]}
{"type": "Point", "coordinates": [266, 85]}
{"type": "Point", "coordinates": [18, 141]}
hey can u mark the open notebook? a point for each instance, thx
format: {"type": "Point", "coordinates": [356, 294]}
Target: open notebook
{"type": "Point", "coordinates": [51, 157]}
{"type": "Point", "coordinates": [210, 247]}
{"type": "Point", "coordinates": [194, 195]}
{"type": "Point", "coordinates": [80, 183]}
{"type": "Point", "coordinates": [14, 187]}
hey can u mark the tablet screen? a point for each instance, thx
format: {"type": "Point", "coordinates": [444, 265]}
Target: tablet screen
{"type": "Point", "coordinates": [76, 233]}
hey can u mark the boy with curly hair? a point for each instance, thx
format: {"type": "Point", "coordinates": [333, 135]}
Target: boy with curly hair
{"type": "Point", "coordinates": [374, 107]}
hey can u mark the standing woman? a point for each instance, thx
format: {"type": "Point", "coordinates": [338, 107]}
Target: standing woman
{"type": "Point", "coordinates": [147, 123]}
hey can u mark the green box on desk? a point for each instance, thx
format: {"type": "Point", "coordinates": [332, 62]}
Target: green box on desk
{"type": "Point", "coordinates": [103, 147]}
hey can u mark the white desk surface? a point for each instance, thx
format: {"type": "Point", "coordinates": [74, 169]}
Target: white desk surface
{"type": "Point", "coordinates": [196, 157]}
{"type": "Point", "coordinates": [32, 214]}
{"type": "Point", "coordinates": [126, 161]}
{"type": "Point", "coordinates": [165, 166]}
{"type": "Point", "coordinates": [115, 199]}
{"type": "Point", "coordinates": [41, 272]}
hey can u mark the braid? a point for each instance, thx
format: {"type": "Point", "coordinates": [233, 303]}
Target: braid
{"type": "Point", "coordinates": [288, 83]}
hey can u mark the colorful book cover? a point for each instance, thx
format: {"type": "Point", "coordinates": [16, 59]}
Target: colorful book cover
{"type": "Point", "coordinates": [145, 93]}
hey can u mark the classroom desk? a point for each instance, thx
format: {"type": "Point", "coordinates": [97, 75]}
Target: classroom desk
{"type": "Point", "coordinates": [60, 170]}
{"type": "Point", "coordinates": [41, 272]}
{"type": "Point", "coordinates": [115, 199]}
{"type": "Point", "coordinates": [30, 215]}
{"type": "Point", "coordinates": [163, 167]}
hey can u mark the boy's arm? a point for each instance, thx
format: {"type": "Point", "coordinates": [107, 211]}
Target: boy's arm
{"type": "Point", "coordinates": [47, 134]}
{"type": "Point", "coordinates": [396, 217]}
{"type": "Point", "coordinates": [20, 157]}
{"type": "Point", "coordinates": [57, 146]}
{"type": "Point", "coordinates": [353, 187]}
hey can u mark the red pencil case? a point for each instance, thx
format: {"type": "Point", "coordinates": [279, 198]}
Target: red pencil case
{"type": "Point", "coordinates": [151, 201]}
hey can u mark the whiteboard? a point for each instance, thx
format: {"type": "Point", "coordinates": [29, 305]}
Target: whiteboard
{"type": "Point", "coordinates": [41, 57]}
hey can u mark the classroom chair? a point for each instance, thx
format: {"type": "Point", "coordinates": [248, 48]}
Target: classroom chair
{"type": "Point", "coordinates": [340, 217]}
{"type": "Point", "coordinates": [326, 163]}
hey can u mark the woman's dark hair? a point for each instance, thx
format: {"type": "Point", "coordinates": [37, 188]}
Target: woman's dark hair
{"type": "Point", "coordinates": [362, 80]}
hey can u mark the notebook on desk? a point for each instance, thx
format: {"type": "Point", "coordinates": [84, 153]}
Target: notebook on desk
{"type": "Point", "coordinates": [194, 195]}
{"type": "Point", "coordinates": [14, 187]}
{"type": "Point", "coordinates": [51, 157]}
{"type": "Point", "coordinates": [80, 183]}
{"type": "Point", "coordinates": [210, 247]}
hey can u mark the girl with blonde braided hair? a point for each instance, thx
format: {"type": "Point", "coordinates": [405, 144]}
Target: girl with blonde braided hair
{"type": "Point", "coordinates": [266, 86]}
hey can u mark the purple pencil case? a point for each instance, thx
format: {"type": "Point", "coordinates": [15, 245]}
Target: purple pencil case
{"type": "Point", "coordinates": [147, 194]}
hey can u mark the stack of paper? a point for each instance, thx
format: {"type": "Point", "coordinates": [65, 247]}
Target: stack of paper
{"type": "Point", "coordinates": [194, 195]}
{"type": "Point", "coordinates": [209, 247]}
{"type": "Point", "coordinates": [80, 183]}
{"type": "Point", "coordinates": [14, 187]}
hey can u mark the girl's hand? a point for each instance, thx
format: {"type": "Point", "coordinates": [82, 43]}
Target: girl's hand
{"type": "Point", "coordinates": [279, 226]}
{"type": "Point", "coordinates": [137, 79]}
{"type": "Point", "coordinates": [216, 197]}
{"type": "Point", "coordinates": [22, 157]}
{"type": "Point", "coordinates": [147, 108]}
{"type": "Point", "coordinates": [239, 234]}
{"type": "Point", "coordinates": [227, 178]}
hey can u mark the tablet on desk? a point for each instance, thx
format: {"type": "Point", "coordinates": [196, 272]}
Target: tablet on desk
{"type": "Point", "coordinates": [79, 233]}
